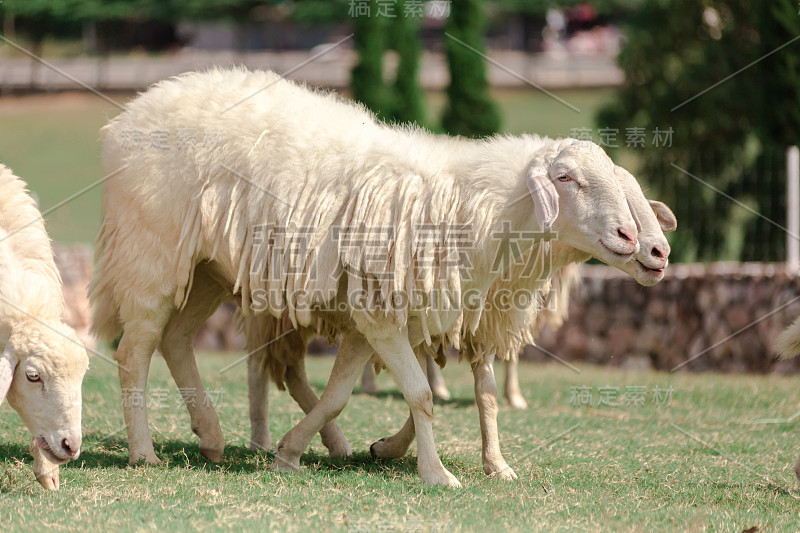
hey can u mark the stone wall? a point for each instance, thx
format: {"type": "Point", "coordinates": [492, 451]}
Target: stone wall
{"type": "Point", "coordinates": [721, 316]}
{"type": "Point", "coordinates": [75, 264]}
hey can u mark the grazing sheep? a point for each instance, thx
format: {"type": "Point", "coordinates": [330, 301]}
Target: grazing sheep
{"type": "Point", "coordinates": [279, 215]}
{"type": "Point", "coordinates": [43, 361]}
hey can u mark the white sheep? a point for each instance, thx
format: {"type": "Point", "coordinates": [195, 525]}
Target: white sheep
{"type": "Point", "coordinates": [521, 325]}
{"type": "Point", "coordinates": [43, 361]}
{"type": "Point", "coordinates": [276, 349]}
{"type": "Point", "coordinates": [280, 211]}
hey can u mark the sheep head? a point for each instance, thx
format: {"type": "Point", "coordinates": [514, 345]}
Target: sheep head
{"type": "Point", "coordinates": [653, 219]}
{"type": "Point", "coordinates": [578, 196]}
{"type": "Point", "coordinates": [41, 371]}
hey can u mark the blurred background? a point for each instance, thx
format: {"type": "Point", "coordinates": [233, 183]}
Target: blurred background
{"type": "Point", "coordinates": [700, 99]}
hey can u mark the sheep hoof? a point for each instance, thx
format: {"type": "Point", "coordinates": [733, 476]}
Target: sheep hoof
{"type": "Point", "coordinates": [49, 480]}
{"type": "Point", "coordinates": [441, 392]}
{"type": "Point", "coordinates": [148, 459]}
{"type": "Point", "coordinates": [339, 450]}
{"type": "Point", "coordinates": [383, 449]}
{"type": "Point", "coordinates": [285, 465]}
{"type": "Point", "coordinates": [441, 478]}
{"type": "Point", "coordinates": [215, 456]}
{"type": "Point", "coordinates": [503, 472]}
{"type": "Point", "coordinates": [517, 402]}
{"type": "Point", "coordinates": [335, 441]}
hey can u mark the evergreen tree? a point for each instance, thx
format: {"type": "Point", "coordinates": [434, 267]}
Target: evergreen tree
{"type": "Point", "coordinates": [699, 70]}
{"type": "Point", "coordinates": [470, 110]}
{"type": "Point", "coordinates": [407, 97]}
{"type": "Point", "coordinates": [366, 78]}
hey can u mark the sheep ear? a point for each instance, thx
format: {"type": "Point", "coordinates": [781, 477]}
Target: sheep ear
{"type": "Point", "coordinates": [8, 363]}
{"type": "Point", "coordinates": [634, 215]}
{"type": "Point", "coordinates": [665, 216]}
{"type": "Point", "coordinates": [545, 197]}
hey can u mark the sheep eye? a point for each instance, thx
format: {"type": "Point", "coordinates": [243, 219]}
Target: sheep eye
{"type": "Point", "coordinates": [33, 376]}
{"type": "Point", "coordinates": [564, 178]}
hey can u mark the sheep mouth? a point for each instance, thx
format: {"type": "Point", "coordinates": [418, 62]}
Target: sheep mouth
{"type": "Point", "coordinates": [618, 254]}
{"type": "Point", "coordinates": [656, 271]}
{"type": "Point", "coordinates": [48, 452]}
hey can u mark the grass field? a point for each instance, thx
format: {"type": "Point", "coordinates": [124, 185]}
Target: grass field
{"type": "Point", "coordinates": [51, 141]}
{"type": "Point", "coordinates": [700, 462]}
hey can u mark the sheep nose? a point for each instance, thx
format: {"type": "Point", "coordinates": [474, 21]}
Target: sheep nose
{"type": "Point", "coordinates": [627, 234]}
{"type": "Point", "coordinates": [72, 447]}
{"type": "Point", "coordinates": [659, 253]}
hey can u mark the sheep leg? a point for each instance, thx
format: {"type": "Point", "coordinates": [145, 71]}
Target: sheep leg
{"type": "Point", "coordinates": [177, 348]}
{"type": "Point", "coordinates": [399, 358]}
{"type": "Point", "coordinates": [258, 393]}
{"type": "Point", "coordinates": [299, 388]}
{"type": "Point", "coordinates": [368, 385]}
{"type": "Point", "coordinates": [511, 389]}
{"type": "Point", "coordinates": [494, 465]}
{"type": "Point", "coordinates": [260, 334]}
{"type": "Point", "coordinates": [435, 379]}
{"type": "Point", "coordinates": [486, 397]}
{"type": "Point", "coordinates": [354, 352]}
{"type": "Point", "coordinates": [133, 357]}
{"type": "Point", "coordinates": [46, 473]}
{"type": "Point", "coordinates": [397, 445]}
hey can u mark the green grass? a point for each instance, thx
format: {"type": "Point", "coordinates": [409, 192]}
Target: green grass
{"type": "Point", "coordinates": [581, 468]}
{"type": "Point", "coordinates": [52, 143]}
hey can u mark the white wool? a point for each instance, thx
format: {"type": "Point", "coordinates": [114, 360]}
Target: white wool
{"type": "Point", "coordinates": [504, 332]}
{"type": "Point", "coordinates": [326, 189]}
{"type": "Point", "coordinates": [555, 308]}
{"type": "Point", "coordinates": [30, 280]}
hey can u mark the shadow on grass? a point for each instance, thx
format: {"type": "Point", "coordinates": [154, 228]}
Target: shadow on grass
{"type": "Point", "coordinates": [397, 395]}
{"type": "Point", "coordinates": [103, 452]}
{"type": "Point", "coordinates": [14, 450]}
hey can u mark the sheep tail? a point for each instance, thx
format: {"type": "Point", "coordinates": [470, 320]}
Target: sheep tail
{"type": "Point", "coordinates": [106, 324]}
{"type": "Point", "coordinates": [787, 345]}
